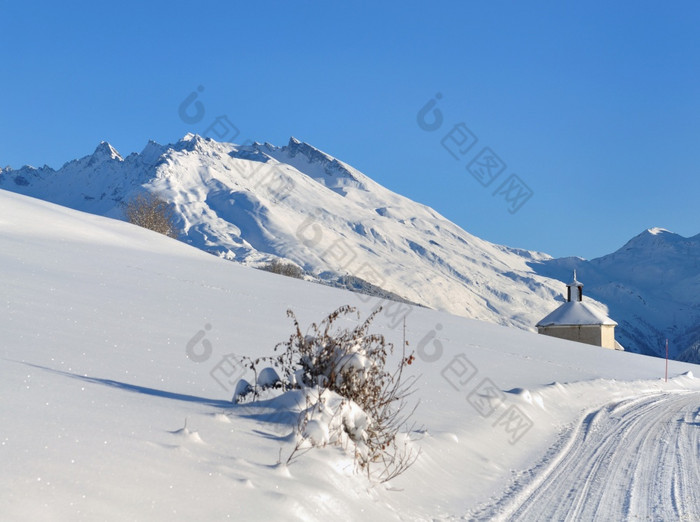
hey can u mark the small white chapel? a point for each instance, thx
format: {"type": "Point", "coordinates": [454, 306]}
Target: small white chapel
{"type": "Point", "coordinates": [577, 321]}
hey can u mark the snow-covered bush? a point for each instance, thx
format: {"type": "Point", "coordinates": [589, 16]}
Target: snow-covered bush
{"type": "Point", "coordinates": [351, 395]}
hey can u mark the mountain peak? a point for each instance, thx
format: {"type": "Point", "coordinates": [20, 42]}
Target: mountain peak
{"type": "Point", "coordinates": [651, 238]}
{"type": "Point", "coordinates": [654, 237]}
{"type": "Point", "coordinates": [192, 142]}
{"type": "Point", "coordinates": [655, 231]}
{"type": "Point", "coordinates": [655, 241]}
{"type": "Point", "coordinates": [314, 155]}
{"type": "Point", "coordinates": [105, 151]}
{"type": "Point", "coordinates": [333, 168]}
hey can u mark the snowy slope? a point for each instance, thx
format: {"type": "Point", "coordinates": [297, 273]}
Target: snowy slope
{"type": "Point", "coordinates": [260, 202]}
{"type": "Point", "coordinates": [105, 416]}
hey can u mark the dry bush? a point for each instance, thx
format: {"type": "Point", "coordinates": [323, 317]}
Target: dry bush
{"type": "Point", "coordinates": [352, 365]}
{"type": "Point", "coordinates": [285, 269]}
{"type": "Point", "coordinates": [151, 212]}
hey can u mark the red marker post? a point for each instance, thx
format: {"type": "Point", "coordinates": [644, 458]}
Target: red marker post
{"type": "Point", "coordinates": [666, 378]}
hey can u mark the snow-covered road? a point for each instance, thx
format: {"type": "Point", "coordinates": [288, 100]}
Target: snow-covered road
{"type": "Point", "coordinates": [636, 459]}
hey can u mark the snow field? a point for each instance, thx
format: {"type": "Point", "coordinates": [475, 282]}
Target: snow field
{"type": "Point", "coordinates": [105, 415]}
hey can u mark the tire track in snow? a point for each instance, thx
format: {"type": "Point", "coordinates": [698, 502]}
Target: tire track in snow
{"type": "Point", "coordinates": [638, 459]}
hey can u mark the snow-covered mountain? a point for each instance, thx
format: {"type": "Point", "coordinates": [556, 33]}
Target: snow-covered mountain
{"type": "Point", "coordinates": [256, 203]}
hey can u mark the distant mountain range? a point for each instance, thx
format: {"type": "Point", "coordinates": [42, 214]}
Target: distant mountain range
{"type": "Point", "coordinates": [254, 204]}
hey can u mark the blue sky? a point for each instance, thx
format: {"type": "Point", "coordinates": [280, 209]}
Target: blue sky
{"type": "Point", "coordinates": [593, 108]}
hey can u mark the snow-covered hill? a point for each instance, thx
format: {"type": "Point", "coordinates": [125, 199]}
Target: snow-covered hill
{"type": "Point", "coordinates": [106, 413]}
{"type": "Point", "coordinates": [256, 203]}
